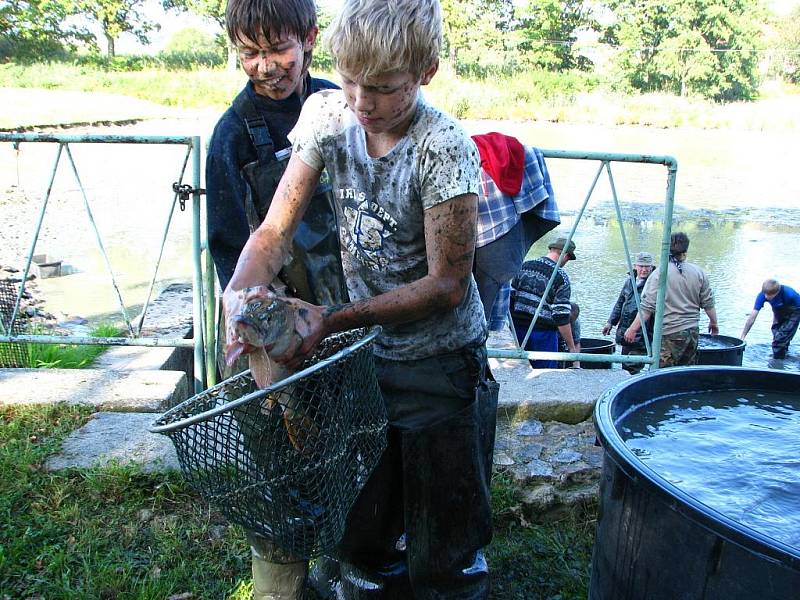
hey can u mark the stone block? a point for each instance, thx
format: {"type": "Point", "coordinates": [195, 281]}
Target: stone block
{"type": "Point", "coordinates": [122, 438]}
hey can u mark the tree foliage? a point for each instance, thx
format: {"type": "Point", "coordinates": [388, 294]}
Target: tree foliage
{"type": "Point", "coordinates": [38, 27]}
{"type": "Point", "coordinates": [787, 58]}
{"type": "Point", "coordinates": [474, 27]}
{"type": "Point", "coordinates": [548, 31]}
{"type": "Point", "coordinates": [210, 9]}
{"type": "Point", "coordinates": [703, 47]}
{"type": "Point", "coordinates": [116, 17]}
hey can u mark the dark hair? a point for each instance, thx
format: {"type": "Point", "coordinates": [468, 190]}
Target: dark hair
{"type": "Point", "coordinates": [251, 18]}
{"type": "Point", "coordinates": [678, 243]}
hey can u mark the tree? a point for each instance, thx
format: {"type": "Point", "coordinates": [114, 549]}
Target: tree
{"type": "Point", "coordinates": [548, 31]}
{"type": "Point", "coordinates": [209, 9]}
{"type": "Point", "coordinates": [704, 47]}
{"type": "Point", "coordinates": [116, 17]}
{"type": "Point", "coordinates": [38, 26]}
{"type": "Point", "coordinates": [788, 46]}
{"type": "Point", "coordinates": [476, 26]}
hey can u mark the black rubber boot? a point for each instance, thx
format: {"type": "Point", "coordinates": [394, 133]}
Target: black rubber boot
{"type": "Point", "coordinates": [447, 508]}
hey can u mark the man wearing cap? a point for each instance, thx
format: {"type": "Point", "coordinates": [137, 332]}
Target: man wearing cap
{"type": "Point", "coordinates": [625, 311]}
{"type": "Point", "coordinates": [688, 291]}
{"type": "Point", "coordinates": [554, 317]}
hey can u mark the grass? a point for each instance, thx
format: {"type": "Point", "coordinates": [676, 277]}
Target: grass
{"type": "Point", "coordinates": [115, 532]}
{"type": "Point", "coordinates": [527, 95]}
{"type": "Point", "coordinates": [68, 356]}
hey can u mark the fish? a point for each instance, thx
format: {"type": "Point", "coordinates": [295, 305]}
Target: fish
{"type": "Point", "coordinates": [267, 325]}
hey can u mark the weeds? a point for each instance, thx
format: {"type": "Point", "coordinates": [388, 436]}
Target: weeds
{"type": "Point", "coordinates": [115, 532]}
{"type": "Point", "coordinates": [67, 356]}
{"type": "Point", "coordinates": [521, 94]}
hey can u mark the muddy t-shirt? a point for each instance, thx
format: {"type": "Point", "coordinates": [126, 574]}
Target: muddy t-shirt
{"type": "Point", "coordinates": [380, 204]}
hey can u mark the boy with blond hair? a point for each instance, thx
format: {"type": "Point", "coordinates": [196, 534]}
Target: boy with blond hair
{"type": "Point", "coordinates": [405, 182]}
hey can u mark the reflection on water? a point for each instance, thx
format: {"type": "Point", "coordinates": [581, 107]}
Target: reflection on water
{"type": "Point", "coordinates": [734, 451]}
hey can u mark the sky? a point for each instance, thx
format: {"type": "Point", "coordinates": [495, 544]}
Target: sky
{"type": "Point", "coordinates": [171, 23]}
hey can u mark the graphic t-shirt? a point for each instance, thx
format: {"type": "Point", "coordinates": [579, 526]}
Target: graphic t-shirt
{"type": "Point", "coordinates": [380, 204]}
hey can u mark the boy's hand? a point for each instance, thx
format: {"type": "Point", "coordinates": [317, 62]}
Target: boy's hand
{"type": "Point", "coordinates": [311, 328]}
{"type": "Point", "coordinates": [606, 328]}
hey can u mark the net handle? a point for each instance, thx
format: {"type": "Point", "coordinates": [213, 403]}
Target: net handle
{"type": "Point", "coordinates": [213, 412]}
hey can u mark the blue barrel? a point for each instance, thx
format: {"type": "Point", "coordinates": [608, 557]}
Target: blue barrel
{"type": "Point", "coordinates": [655, 541]}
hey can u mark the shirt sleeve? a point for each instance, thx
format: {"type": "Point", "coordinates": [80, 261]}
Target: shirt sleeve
{"type": "Point", "coordinates": [305, 136]}
{"type": "Point", "coordinates": [706, 293]}
{"type": "Point", "coordinates": [760, 299]}
{"type": "Point", "coordinates": [650, 291]}
{"type": "Point", "coordinates": [450, 165]}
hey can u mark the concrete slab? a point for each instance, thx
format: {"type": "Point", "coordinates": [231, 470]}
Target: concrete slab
{"type": "Point", "coordinates": [117, 437]}
{"type": "Point", "coordinates": [565, 395]}
{"type": "Point", "coordinates": [121, 391]}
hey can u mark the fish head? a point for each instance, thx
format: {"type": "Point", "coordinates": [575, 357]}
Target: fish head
{"type": "Point", "coordinates": [264, 321]}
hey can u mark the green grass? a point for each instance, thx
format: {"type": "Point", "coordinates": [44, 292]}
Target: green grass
{"type": "Point", "coordinates": [68, 356]}
{"type": "Point", "coordinates": [526, 95]}
{"type": "Point", "coordinates": [116, 533]}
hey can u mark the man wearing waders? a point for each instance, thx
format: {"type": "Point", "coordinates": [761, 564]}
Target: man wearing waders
{"type": "Point", "coordinates": [785, 303]}
{"type": "Point", "coordinates": [247, 155]}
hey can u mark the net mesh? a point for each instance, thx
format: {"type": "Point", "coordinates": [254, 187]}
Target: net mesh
{"type": "Point", "coordinates": [12, 355]}
{"type": "Point", "coordinates": [287, 462]}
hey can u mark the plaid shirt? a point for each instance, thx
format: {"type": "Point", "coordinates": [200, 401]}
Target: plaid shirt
{"type": "Point", "coordinates": [498, 213]}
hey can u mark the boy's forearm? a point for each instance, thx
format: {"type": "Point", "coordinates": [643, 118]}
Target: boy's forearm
{"type": "Point", "coordinates": [260, 260]}
{"type": "Point", "coordinates": [404, 304]}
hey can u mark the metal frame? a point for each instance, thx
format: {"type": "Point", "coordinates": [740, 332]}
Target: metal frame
{"type": "Point", "coordinates": [196, 342]}
{"type": "Point", "coordinates": [606, 158]}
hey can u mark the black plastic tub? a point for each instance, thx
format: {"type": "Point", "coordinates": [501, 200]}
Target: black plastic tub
{"type": "Point", "coordinates": [596, 346]}
{"type": "Point", "coordinates": [720, 350]}
{"type": "Point", "coordinates": [655, 541]}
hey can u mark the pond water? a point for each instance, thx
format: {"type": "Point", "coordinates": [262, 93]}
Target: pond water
{"type": "Point", "coordinates": [737, 197]}
{"type": "Point", "coordinates": [734, 451]}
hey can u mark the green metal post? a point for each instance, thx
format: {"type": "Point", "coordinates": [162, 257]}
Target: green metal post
{"type": "Point", "coordinates": [197, 283]}
{"type": "Point", "coordinates": [672, 170]}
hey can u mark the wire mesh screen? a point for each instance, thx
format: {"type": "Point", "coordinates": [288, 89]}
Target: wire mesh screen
{"type": "Point", "coordinates": [287, 462]}
{"type": "Point", "coordinates": [11, 354]}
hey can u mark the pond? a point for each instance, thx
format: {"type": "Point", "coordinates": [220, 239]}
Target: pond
{"type": "Point", "coordinates": [737, 197]}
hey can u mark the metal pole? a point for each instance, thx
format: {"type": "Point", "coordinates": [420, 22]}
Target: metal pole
{"type": "Point", "coordinates": [197, 281]}
{"type": "Point", "coordinates": [672, 170]}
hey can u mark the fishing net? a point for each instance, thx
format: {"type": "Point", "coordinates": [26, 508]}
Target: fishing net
{"type": "Point", "coordinates": [11, 354]}
{"type": "Point", "coordinates": [288, 461]}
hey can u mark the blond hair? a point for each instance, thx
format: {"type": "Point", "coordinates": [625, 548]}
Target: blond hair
{"type": "Point", "coordinates": [372, 37]}
{"type": "Point", "coordinates": [771, 286]}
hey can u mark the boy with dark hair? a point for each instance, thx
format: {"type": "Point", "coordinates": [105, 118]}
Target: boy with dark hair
{"type": "Point", "coordinates": [249, 147]}
{"type": "Point", "coordinates": [405, 182]}
{"type": "Point", "coordinates": [247, 155]}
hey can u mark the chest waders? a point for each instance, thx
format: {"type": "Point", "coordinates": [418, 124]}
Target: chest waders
{"type": "Point", "coordinates": [312, 273]}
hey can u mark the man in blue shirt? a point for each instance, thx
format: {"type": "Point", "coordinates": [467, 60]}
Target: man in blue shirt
{"type": "Point", "coordinates": [785, 303]}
